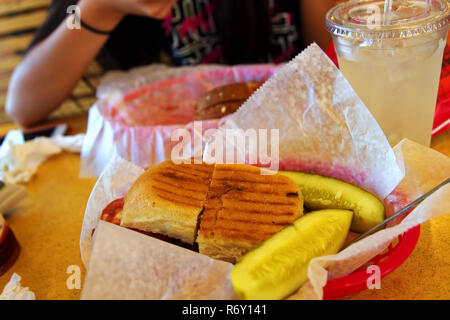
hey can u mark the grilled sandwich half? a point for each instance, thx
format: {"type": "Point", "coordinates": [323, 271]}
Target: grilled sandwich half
{"type": "Point", "coordinates": [226, 209]}
{"type": "Point", "coordinates": [243, 208]}
{"type": "Point", "coordinates": [168, 199]}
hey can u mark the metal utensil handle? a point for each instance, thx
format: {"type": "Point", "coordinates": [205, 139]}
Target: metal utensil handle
{"type": "Point", "coordinates": [400, 212]}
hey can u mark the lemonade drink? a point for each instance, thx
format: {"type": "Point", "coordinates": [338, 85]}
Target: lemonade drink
{"type": "Point", "coordinates": [393, 60]}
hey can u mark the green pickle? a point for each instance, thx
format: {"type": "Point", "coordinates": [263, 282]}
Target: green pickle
{"type": "Point", "coordinates": [279, 266]}
{"type": "Point", "coordinates": [328, 193]}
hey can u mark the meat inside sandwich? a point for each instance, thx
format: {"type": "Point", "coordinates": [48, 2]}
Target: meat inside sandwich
{"type": "Point", "coordinates": [226, 209]}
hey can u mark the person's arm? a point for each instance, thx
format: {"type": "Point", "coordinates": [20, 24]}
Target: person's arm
{"type": "Point", "coordinates": [313, 21]}
{"type": "Point", "coordinates": [52, 68]}
{"type": "Point", "coordinates": [50, 71]}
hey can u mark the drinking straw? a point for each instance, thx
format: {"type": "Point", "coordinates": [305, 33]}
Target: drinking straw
{"type": "Point", "coordinates": [387, 12]}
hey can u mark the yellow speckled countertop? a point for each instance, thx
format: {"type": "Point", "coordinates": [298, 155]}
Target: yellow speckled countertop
{"type": "Point", "coordinates": [47, 225]}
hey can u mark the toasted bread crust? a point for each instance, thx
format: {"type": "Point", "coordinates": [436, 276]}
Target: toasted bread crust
{"type": "Point", "coordinates": [243, 208]}
{"type": "Point", "coordinates": [235, 207]}
{"type": "Point", "coordinates": [168, 199]}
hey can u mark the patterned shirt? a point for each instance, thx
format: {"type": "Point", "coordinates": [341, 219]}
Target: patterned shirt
{"type": "Point", "coordinates": [193, 35]}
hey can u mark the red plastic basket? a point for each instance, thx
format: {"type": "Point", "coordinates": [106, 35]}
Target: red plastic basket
{"type": "Point", "coordinates": [388, 261]}
{"type": "Point", "coordinates": [135, 102]}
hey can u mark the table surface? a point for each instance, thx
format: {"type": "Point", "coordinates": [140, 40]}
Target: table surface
{"type": "Point", "coordinates": [47, 225]}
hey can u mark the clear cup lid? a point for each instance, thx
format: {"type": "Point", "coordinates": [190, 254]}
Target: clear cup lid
{"type": "Point", "coordinates": [390, 19]}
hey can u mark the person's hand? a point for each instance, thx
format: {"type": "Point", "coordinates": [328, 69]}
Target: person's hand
{"type": "Point", "coordinates": [158, 9]}
{"type": "Point", "coordinates": [106, 14]}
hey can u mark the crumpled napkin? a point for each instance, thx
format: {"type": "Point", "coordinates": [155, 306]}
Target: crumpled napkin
{"type": "Point", "coordinates": [14, 291]}
{"type": "Point", "coordinates": [19, 160]}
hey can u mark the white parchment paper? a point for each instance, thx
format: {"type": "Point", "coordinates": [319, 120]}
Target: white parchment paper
{"type": "Point", "coordinates": [324, 128]}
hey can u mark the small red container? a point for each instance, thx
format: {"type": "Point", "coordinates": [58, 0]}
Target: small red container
{"type": "Point", "coordinates": [9, 249]}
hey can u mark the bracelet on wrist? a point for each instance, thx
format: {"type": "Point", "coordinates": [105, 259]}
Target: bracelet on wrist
{"type": "Point", "coordinates": [95, 30]}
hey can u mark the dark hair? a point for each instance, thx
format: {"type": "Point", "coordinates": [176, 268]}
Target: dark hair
{"type": "Point", "coordinates": [243, 27]}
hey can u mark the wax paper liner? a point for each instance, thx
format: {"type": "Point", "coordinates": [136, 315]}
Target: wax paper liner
{"type": "Point", "coordinates": [193, 275]}
{"type": "Point", "coordinates": [324, 127]}
{"type": "Point", "coordinates": [138, 111]}
{"type": "Point", "coordinates": [320, 132]}
{"type": "Point", "coordinates": [129, 265]}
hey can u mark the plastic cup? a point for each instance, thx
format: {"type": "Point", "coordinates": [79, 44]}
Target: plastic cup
{"type": "Point", "coordinates": [393, 60]}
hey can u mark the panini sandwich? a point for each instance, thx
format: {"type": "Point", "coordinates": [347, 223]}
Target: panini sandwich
{"type": "Point", "coordinates": [226, 209]}
{"type": "Point", "coordinates": [168, 199]}
{"type": "Point", "coordinates": [243, 209]}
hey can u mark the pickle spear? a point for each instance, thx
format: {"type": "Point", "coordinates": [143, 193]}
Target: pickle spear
{"type": "Point", "coordinates": [328, 193]}
{"type": "Point", "coordinates": [279, 266]}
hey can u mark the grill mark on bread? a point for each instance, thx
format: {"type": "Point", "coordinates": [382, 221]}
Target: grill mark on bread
{"type": "Point", "coordinates": [245, 202]}
{"type": "Point", "coordinates": [249, 181]}
{"type": "Point", "coordinates": [256, 219]}
{"type": "Point", "coordinates": [191, 170]}
{"type": "Point", "coordinates": [234, 203]}
{"type": "Point", "coordinates": [238, 234]}
{"type": "Point", "coordinates": [254, 192]}
{"type": "Point", "coordinates": [242, 168]}
{"type": "Point", "coordinates": [262, 189]}
{"type": "Point", "coordinates": [269, 203]}
{"type": "Point", "coordinates": [260, 208]}
{"type": "Point", "coordinates": [167, 192]}
{"type": "Point", "coordinates": [207, 168]}
{"type": "Point", "coordinates": [193, 174]}
{"type": "Point", "coordinates": [176, 192]}
{"type": "Point", "coordinates": [260, 220]}
{"type": "Point", "coordinates": [255, 171]}
{"type": "Point", "coordinates": [255, 212]}
{"type": "Point", "coordinates": [269, 209]}
{"type": "Point", "coordinates": [249, 231]}
{"type": "Point", "coordinates": [192, 187]}
{"type": "Point", "coordinates": [177, 198]}
{"type": "Point", "coordinates": [178, 177]}
{"type": "Point", "coordinates": [244, 205]}
{"type": "Point", "coordinates": [246, 226]}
